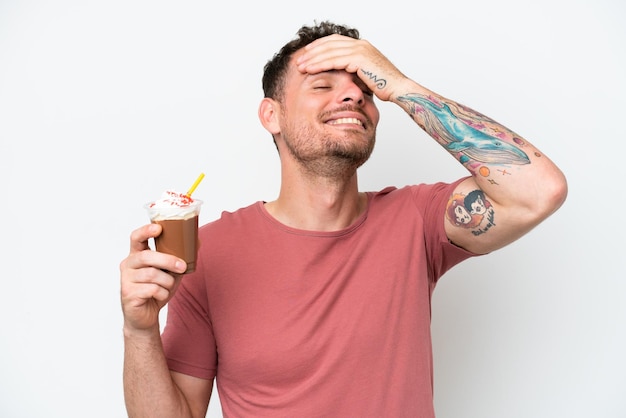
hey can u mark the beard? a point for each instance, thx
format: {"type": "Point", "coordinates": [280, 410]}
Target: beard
{"type": "Point", "coordinates": [329, 154]}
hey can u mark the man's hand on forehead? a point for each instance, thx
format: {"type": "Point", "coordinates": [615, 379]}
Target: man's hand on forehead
{"type": "Point", "coordinates": [333, 52]}
{"type": "Point", "coordinates": [357, 56]}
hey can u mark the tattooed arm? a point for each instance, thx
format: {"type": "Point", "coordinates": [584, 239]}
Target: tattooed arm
{"type": "Point", "coordinates": [513, 186]}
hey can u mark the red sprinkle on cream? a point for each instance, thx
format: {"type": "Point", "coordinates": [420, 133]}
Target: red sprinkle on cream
{"type": "Point", "coordinates": [176, 199]}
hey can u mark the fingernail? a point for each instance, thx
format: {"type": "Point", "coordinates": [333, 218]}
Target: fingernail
{"type": "Point", "coordinates": [180, 266]}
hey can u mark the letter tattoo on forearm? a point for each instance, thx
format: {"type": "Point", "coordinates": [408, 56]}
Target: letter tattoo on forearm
{"type": "Point", "coordinates": [380, 82]}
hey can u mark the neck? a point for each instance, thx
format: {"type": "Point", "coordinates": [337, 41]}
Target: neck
{"type": "Point", "coordinates": [318, 203]}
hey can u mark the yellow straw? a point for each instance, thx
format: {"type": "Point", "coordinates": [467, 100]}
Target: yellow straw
{"type": "Point", "coordinates": [195, 184]}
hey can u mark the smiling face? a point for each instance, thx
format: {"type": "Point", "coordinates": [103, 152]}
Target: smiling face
{"type": "Point", "coordinates": [327, 121]}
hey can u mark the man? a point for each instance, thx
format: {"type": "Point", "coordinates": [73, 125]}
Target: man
{"type": "Point", "coordinates": [317, 304]}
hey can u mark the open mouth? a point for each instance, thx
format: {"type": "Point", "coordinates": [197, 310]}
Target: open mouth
{"type": "Point", "coordinates": [345, 121]}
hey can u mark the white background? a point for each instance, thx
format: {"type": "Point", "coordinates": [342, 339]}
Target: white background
{"type": "Point", "coordinates": [103, 104]}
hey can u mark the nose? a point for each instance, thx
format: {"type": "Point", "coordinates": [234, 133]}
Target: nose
{"type": "Point", "coordinates": [353, 93]}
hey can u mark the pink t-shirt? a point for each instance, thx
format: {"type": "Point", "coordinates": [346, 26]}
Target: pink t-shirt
{"type": "Point", "coordinates": [297, 323]}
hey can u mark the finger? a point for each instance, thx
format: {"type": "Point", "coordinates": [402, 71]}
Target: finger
{"type": "Point", "coordinates": [142, 292]}
{"type": "Point", "coordinates": [330, 39]}
{"type": "Point", "coordinates": [154, 275]}
{"type": "Point", "coordinates": [146, 284]}
{"type": "Point", "coordinates": [340, 54]}
{"type": "Point", "coordinates": [332, 60]}
{"type": "Point", "coordinates": [140, 236]}
{"type": "Point", "coordinates": [329, 54]}
{"type": "Point", "coordinates": [153, 259]}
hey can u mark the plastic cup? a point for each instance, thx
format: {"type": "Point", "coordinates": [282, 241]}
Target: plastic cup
{"type": "Point", "coordinates": [180, 231]}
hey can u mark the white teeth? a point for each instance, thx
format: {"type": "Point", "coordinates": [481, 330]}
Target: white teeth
{"type": "Point", "coordinates": [346, 120]}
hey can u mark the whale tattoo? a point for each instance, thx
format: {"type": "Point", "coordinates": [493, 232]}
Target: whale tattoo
{"type": "Point", "coordinates": [459, 137]}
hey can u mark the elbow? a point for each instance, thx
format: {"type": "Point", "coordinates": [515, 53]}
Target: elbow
{"type": "Point", "coordinates": [562, 192]}
{"type": "Point", "coordinates": [554, 195]}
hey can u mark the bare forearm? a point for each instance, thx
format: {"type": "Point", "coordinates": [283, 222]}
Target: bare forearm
{"type": "Point", "coordinates": [149, 390]}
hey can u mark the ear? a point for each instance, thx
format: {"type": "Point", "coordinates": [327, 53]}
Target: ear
{"type": "Point", "coordinates": [269, 111]}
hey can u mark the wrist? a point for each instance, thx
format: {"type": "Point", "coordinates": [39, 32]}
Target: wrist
{"type": "Point", "coordinates": [150, 333]}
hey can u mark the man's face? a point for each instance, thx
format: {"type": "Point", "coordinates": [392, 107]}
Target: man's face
{"type": "Point", "coordinates": [478, 206]}
{"type": "Point", "coordinates": [462, 215]}
{"type": "Point", "coordinates": [328, 118]}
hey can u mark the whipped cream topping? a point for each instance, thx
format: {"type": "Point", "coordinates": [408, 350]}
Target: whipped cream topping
{"type": "Point", "coordinates": [173, 205]}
